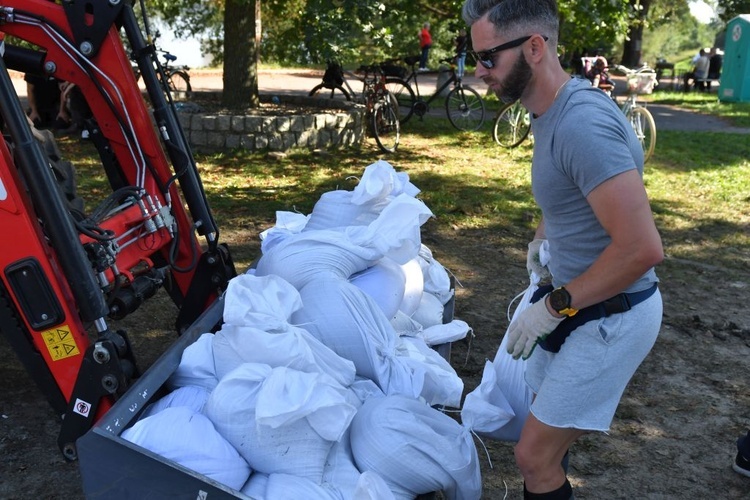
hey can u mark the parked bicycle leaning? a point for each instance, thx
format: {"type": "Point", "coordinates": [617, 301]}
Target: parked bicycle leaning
{"type": "Point", "coordinates": [381, 107]}
{"type": "Point", "coordinates": [463, 105]}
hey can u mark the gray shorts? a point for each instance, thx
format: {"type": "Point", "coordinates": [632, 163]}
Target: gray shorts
{"type": "Point", "coordinates": [581, 386]}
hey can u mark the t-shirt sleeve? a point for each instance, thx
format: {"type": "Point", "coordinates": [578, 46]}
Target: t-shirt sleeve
{"type": "Point", "coordinates": [591, 155]}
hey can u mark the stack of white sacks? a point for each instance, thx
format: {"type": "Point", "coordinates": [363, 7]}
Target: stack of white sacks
{"type": "Point", "coordinates": [321, 382]}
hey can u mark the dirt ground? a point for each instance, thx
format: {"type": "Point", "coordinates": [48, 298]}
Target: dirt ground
{"type": "Point", "coordinates": [673, 436]}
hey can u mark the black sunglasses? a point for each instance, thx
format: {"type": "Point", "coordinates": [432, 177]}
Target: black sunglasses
{"type": "Point", "coordinates": [484, 57]}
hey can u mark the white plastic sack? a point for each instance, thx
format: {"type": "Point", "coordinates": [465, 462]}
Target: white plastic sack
{"type": "Point", "coordinates": [499, 406]}
{"type": "Point", "coordinates": [280, 420]}
{"type": "Point", "coordinates": [196, 367]}
{"type": "Point", "coordinates": [433, 375]}
{"type": "Point", "coordinates": [286, 223]}
{"type": "Point", "coordinates": [190, 396]}
{"type": "Point", "coordinates": [380, 183]}
{"type": "Point", "coordinates": [413, 287]}
{"type": "Point", "coordinates": [385, 283]}
{"type": "Point", "coordinates": [348, 321]}
{"type": "Point", "coordinates": [372, 487]}
{"type": "Point", "coordinates": [282, 486]}
{"type": "Point", "coordinates": [380, 180]}
{"type": "Point", "coordinates": [190, 439]}
{"type": "Point", "coordinates": [256, 330]}
{"type": "Point", "coordinates": [436, 278]}
{"type": "Point", "coordinates": [415, 449]}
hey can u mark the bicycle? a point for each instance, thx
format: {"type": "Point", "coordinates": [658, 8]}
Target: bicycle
{"type": "Point", "coordinates": [640, 81]}
{"type": "Point", "coordinates": [512, 125]}
{"type": "Point", "coordinates": [335, 81]}
{"type": "Point", "coordinates": [380, 105]}
{"type": "Point", "coordinates": [463, 105]}
{"type": "Point", "coordinates": [381, 108]}
{"type": "Point", "coordinates": [177, 77]}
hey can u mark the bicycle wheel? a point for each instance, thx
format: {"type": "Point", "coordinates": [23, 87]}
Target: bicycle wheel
{"type": "Point", "coordinates": [512, 125]}
{"type": "Point", "coordinates": [465, 108]}
{"type": "Point", "coordinates": [645, 129]}
{"type": "Point", "coordinates": [385, 125]}
{"type": "Point", "coordinates": [320, 89]}
{"type": "Point", "coordinates": [179, 85]}
{"type": "Point", "coordinates": [405, 96]}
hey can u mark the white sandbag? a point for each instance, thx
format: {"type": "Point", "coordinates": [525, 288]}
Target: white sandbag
{"type": "Point", "coordinates": [336, 209]}
{"type": "Point", "coordinates": [264, 302]}
{"type": "Point", "coordinates": [280, 420]}
{"type": "Point", "coordinates": [380, 180]}
{"type": "Point", "coordinates": [286, 223]}
{"type": "Point", "coordinates": [380, 183]}
{"type": "Point", "coordinates": [256, 486]}
{"type": "Point", "coordinates": [190, 439]}
{"type": "Point", "coordinates": [446, 333]}
{"type": "Point", "coordinates": [405, 325]}
{"type": "Point", "coordinates": [196, 366]}
{"type": "Point", "coordinates": [396, 231]}
{"type": "Point", "coordinates": [415, 449]}
{"type": "Point", "coordinates": [256, 330]}
{"type": "Point", "coordinates": [385, 282]}
{"type": "Point", "coordinates": [348, 321]}
{"type": "Point", "coordinates": [302, 258]}
{"type": "Point", "coordinates": [372, 487]}
{"type": "Point", "coordinates": [438, 382]}
{"type": "Point", "coordinates": [429, 311]}
{"type": "Point", "coordinates": [190, 396]}
{"type": "Point", "coordinates": [297, 349]}
{"type": "Point", "coordinates": [413, 287]}
{"type": "Point", "coordinates": [289, 487]}
{"type": "Point", "coordinates": [436, 278]}
{"type": "Point", "coordinates": [500, 404]}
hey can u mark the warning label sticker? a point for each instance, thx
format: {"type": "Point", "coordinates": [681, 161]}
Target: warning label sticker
{"type": "Point", "coordinates": [60, 343]}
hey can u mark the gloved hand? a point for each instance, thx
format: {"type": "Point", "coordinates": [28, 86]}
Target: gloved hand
{"type": "Point", "coordinates": [533, 262]}
{"type": "Point", "coordinates": [531, 326]}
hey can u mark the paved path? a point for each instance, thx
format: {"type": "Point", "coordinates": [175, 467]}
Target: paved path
{"type": "Point", "coordinates": [283, 82]}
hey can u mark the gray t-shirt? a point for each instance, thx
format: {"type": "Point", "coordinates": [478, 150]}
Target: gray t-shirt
{"type": "Point", "coordinates": [582, 140]}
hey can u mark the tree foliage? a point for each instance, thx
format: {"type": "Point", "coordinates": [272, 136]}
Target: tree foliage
{"type": "Point", "coordinates": [364, 31]}
{"type": "Point", "coordinates": [729, 9]}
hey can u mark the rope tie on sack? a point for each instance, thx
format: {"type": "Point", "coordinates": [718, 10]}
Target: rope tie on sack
{"type": "Point", "coordinates": [510, 305]}
{"type": "Point", "coordinates": [486, 452]}
{"type": "Point", "coordinates": [468, 348]}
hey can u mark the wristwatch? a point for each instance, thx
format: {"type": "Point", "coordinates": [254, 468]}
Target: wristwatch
{"type": "Point", "coordinates": [559, 300]}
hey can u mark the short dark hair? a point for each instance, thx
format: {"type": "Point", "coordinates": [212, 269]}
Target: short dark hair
{"type": "Point", "coordinates": [516, 16]}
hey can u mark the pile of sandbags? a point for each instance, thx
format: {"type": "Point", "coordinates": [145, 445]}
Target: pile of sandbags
{"type": "Point", "coordinates": [321, 382]}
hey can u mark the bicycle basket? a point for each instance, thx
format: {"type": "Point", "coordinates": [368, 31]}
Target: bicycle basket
{"type": "Point", "coordinates": [334, 74]}
{"type": "Point", "coordinates": [642, 83]}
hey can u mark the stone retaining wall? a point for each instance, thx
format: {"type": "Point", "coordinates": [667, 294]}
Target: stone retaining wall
{"type": "Point", "coordinates": [342, 126]}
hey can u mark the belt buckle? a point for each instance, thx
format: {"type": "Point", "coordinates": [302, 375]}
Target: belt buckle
{"type": "Point", "coordinates": [617, 304]}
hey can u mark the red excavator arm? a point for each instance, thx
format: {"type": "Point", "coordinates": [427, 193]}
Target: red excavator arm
{"type": "Point", "coordinates": [63, 271]}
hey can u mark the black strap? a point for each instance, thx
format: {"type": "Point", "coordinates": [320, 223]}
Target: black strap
{"type": "Point", "coordinates": [618, 304]}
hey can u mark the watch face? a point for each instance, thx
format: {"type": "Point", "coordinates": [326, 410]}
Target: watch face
{"type": "Point", "coordinates": [559, 299]}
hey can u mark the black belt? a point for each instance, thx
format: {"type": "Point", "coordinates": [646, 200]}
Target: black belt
{"type": "Point", "coordinates": [617, 304]}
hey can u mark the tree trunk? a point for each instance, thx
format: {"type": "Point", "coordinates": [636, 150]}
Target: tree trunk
{"type": "Point", "coordinates": [241, 47]}
{"type": "Point", "coordinates": [632, 50]}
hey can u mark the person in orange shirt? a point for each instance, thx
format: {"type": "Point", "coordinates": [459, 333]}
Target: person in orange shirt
{"type": "Point", "coordinates": [425, 43]}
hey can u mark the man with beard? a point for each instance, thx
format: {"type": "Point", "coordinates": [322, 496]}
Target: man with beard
{"type": "Point", "coordinates": [600, 317]}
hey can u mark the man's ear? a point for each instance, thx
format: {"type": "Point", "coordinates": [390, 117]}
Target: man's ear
{"type": "Point", "coordinates": [536, 48]}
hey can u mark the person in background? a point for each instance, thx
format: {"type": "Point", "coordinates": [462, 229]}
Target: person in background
{"type": "Point", "coordinates": [698, 73]}
{"type": "Point", "coordinates": [598, 75]}
{"type": "Point", "coordinates": [462, 45]}
{"type": "Point", "coordinates": [603, 315]}
{"type": "Point", "coordinates": [43, 94]}
{"type": "Point", "coordinates": [425, 43]}
{"type": "Point", "coordinates": [715, 60]}
{"type": "Point", "coordinates": [742, 461]}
